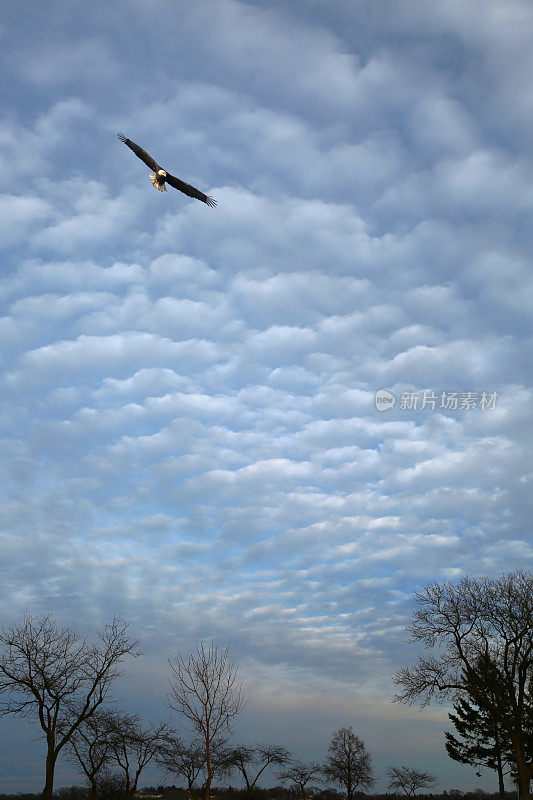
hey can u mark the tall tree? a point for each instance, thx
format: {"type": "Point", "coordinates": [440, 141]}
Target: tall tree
{"type": "Point", "coordinates": [348, 763]}
{"type": "Point", "coordinates": [57, 676]}
{"type": "Point", "coordinates": [410, 780]}
{"type": "Point", "coordinates": [301, 774]}
{"type": "Point", "coordinates": [251, 762]}
{"type": "Point", "coordinates": [483, 629]}
{"type": "Point", "coordinates": [204, 688]}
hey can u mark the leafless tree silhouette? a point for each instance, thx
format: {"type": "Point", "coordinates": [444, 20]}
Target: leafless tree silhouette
{"type": "Point", "coordinates": [91, 746]}
{"type": "Point", "coordinates": [245, 758]}
{"type": "Point", "coordinates": [409, 780]}
{"type": "Point", "coordinates": [349, 763]}
{"type": "Point", "coordinates": [59, 678]}
{"type": "Point", "coordinates": [133, 748]}
{"type": "Point", "coordinates": [301, 774]}
{"type": "Point", "coordinates": [204, 689]}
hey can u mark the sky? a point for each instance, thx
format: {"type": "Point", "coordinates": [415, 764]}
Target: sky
{"type": "Point", "coordinates": [190, 431]}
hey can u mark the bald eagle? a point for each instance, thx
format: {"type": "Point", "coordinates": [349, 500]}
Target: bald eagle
{"type": "Point", "coordinates": [159, 176]}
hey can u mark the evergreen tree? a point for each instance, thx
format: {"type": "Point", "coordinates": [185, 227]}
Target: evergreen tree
{"type": "Point", "coordinates": [485, 742]}
{"type": "Point", "coordinates": [481, 742]}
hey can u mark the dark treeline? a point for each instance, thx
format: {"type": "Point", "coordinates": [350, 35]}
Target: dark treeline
{"type": "Point", "coordinates": [273, 793]}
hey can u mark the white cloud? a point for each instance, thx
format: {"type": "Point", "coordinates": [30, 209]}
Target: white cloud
{"type": "Point", "coordinates": [18, 215]}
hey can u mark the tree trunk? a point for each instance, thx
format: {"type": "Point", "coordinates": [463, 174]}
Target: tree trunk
{"type": "Point", "coordinates": [209, 771]}
{"type": "Point", "coordinates": [501, 785]}
{"type": "Point", "coordinates": [524, 780]}
{"type": "Point", "coordinates": [523, 769]}
{"type": "Point", "coordinates": [49, 780]}
{"type": "Point", "coordinates": [499, 763]}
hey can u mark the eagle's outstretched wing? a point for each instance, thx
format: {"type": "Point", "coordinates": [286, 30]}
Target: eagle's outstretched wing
{"type": "Point", "coordinates": [189, 190]}
{"type": "Point", "coordinates": [140, 153]}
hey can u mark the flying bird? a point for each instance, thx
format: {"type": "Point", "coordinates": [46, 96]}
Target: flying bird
{"type": "Point", "coordinates": [159, 176]}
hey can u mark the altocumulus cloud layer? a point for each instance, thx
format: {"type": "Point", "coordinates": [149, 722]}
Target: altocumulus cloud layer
{"type": "Point", "coordinates": [190, 436]}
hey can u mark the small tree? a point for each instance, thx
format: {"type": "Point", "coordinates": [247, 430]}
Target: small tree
{"type": "Point", "coordinates": [179, 759]}
{"type": "Point", "coordinates": [133, 748]}
{"type": "Point", "coordinates": [56, 676]}
{"type": "Point", "coordinates": [245, 759]}
{"type": "Point", "coordinates": [410, 780]}
{"type": "Point", "coordinates": [203, 687]}
{"type": "Point", "coordinates": [91, 747]}
{"type": "Point", "coordinates": [110, 785]}
{"type": "Point", "coordinates": [301, 774]}
{"type": "Point", "coordinates": [348, 763]}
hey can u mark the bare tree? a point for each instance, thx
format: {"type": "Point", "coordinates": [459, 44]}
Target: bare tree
{"type": "Point", "coordinates": [484, 631]}
{"type": "Point", "coordinates": [203, 687]}
{"type": "Point", "coordinates": [348, 763]}
{"type": "Point", "coordinates": [301, 774]}
{"type": "Point", "coordinates": [91, 746]}
{"type": "Point", "coordinates": [133, 748]}
{"type": "Point", "coordinates": [57, 676]}
{"type": "Point", "coordinates": [177, 758]}
{"type": "Point", "coordinates": [188, 760]}
{"type": "Point", "coordinates": [409, 780]}
{"type": "Point", "coordinates": [111, 785]}
{"type": "Point", "coordinates": [245, 758]}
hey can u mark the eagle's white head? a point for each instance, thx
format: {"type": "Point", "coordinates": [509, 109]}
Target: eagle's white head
{"type": "Point", "coordinates": [161, 173]}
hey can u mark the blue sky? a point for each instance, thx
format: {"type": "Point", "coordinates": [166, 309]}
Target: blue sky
{"type": "Point", "coordinates": [189, 430]}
